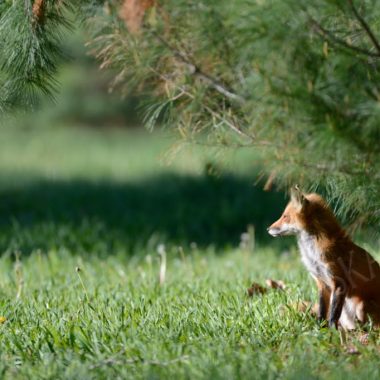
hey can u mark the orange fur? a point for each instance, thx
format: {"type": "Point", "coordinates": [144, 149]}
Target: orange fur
{"type": "Point", "coordinates": [344, 272]}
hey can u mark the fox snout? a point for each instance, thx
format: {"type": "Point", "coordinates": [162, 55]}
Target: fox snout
{"type": "Point", "coordinates": [281, 228]}
{"type": "Point", "coordinates": [274, 231]}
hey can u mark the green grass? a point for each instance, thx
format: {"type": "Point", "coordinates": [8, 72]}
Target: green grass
{"type": "Point", "coordinates": [109, 191]}
{"type": "Point", "coordinates": [100, 201]}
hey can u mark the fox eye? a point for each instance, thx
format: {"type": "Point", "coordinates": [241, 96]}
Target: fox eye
{"type": "Point", "coordinates": [285, 216]}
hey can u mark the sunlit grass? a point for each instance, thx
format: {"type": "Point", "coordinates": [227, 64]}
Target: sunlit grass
{"type": "Point", "coordinates": [87, 317]}
{"type": "Point", "coordinates": [79, 271]}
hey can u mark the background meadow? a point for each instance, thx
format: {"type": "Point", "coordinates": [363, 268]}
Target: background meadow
{"type": "Point", "coordinates": [84, 213]}
{"type": "Point", "coordinates": [90, 203]}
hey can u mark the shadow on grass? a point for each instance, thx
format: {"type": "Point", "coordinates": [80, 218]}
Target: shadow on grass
{"type": "Point", "coordinates": [106, 217]}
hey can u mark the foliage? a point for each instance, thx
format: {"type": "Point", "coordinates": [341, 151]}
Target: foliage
{"type": "Point", "coordinates": [112, 319]}
{"type": "Point", "coordinates": [106, 190]}
{"type": "Point", "coordinates": [79, 300]}
{"type": "Point", "coordinates": [31, 33]}
{"type": "Point", "coordinates": [294, 80]}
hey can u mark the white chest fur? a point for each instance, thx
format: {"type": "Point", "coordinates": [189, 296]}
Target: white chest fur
{"type": "Point", "coordinates": [311, 257]}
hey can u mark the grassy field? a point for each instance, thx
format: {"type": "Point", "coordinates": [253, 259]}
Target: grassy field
{"type": "Point", "coordinates": [83, 215]}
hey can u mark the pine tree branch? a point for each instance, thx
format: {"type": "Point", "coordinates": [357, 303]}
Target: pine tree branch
{"type": "Point", "coordinates": [328, 168]}
{"type": "Point", "coordinates": [338, 41]}
{"type": "Point", "coordinates": [365, 26]}
{"type": "Point", "coordinates": [213, 113]}
{"type": "Point", "coordinates": [235, 128]}
{"type": "Point", "coordinates": [197, 71]}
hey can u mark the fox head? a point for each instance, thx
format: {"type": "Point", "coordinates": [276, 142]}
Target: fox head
{"type": "Point", "coordinates": [291, 220]}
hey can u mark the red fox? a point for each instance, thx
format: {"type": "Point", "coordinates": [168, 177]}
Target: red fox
{"type": "Point", "coordinates": [347, 276]}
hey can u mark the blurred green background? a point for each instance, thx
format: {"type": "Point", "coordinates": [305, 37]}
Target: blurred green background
{"type": "Point", "coordinates": [81, 173]}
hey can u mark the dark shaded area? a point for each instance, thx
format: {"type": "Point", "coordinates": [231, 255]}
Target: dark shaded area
{"type": "Point", "coordinates": [107, 216]}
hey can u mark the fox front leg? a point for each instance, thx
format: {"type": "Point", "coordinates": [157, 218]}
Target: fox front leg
{"type": "Point", "coordinates": [337, 300]}
{"type": "Point", "coordinates": [324, 294]}
{"type": "Point", "coordinates": [323, 305]}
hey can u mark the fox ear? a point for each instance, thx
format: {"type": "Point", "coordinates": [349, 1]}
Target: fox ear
{"type": "Point", "coordinates": [297, 197]}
